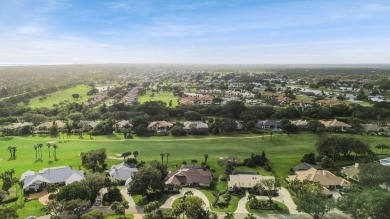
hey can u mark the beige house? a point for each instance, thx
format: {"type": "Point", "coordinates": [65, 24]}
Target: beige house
{"type": "Point", "coordinates": [246, 181]}
{"type": "Point", "coordinates": [201, 100]}
{"type": "Point", "coordinates": [324, 177]}
{"type": "Point", "coordinates": [44, 127]}
{"type": "Point", "coordinates": [335, 124]}
{"type": "Point", "coordinates": [191, 177]}
{"type": "Point", "coordinates": [160, 126]}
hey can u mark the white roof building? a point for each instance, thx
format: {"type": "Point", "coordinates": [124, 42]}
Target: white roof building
{"type": "Point", "coordinates": [246, 181]}
{"type": "Point", "coordinates": [56, 175]}
{"type": "Point", "coordinates": [123, 172]}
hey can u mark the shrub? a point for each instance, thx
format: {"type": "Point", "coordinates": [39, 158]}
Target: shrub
{"type": "Point", "coordinates": [267, 167]}
{"type": "Point", "coordinates": [223, 177]}
{"type": "Point", "coordinates": [178, 131]}
{"type": "Point", "coordinates": [113, 194]}
{"type": "Point", "coordinates": [52, 196]}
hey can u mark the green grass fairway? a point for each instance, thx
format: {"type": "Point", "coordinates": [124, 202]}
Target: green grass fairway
{"type": "Point", "coordinates": [62, 96]}
{"type": "Point", "coordinates": [163, 96]}
{"type": "Point", "coordinates": [283, 152]}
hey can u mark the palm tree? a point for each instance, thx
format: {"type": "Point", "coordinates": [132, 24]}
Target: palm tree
{"type": "Point", "coordinates": [168, 154]}
{"type": "Point", "coordinates": [51, 188]}
{"type": "Point", "coordinates": [206, 156]}
{"type": "Point", "coordinates": [10, 151]}
{"type": "Point", "coordinates": [40, 150]}
{"type": "Point", "coordinates": [13, 150]}
{"type": "Point", "coordinates": [36, 152]}
{"type": "Point", "coordinates": [135, 154]}
{"type": "Point", "coordinates": [124, 155]}
{"type": "Point", "coordinates": [250, 216]}
{"type": "Point", "coordinates": [48, 147]}
{"type": "Point", "coordinates": [229, 216]}
{"type": "Point", "coordinates": [252, 198]}
{"type": "Point", "coordinates": [162, 157]}
{"type": "Point", "coordinates": [55, 146]}
{"type": "Point", "coordinates": [188, 193]}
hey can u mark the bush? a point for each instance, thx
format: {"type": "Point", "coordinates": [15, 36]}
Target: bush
{"type": "Point", "coordinates": [113, 194]}
{"type": "Point", "coordinates": [223, 177]}
{"type": "Point", "coordinates": [267, 167]}
{"type": "Point", "coordinates": [178, 131]}
{"type": "Point", "coordinates": [52, 196]}
{"type": "Point", "coordinates": [94, 214]}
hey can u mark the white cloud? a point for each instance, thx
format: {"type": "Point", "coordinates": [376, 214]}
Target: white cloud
{"type": "Point", "coordinates": [30, 29]}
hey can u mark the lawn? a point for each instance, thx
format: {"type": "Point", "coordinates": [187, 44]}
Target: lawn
{"type": "Point", "coordinates": [283, 209]}
{"type": "Point", "coordinates": [25, 208]}
{"type": "Point", "coordinates": [113, 216]}
{"type": "Point", "coordinates": [142, 201]}
{"type": "Point", "coordinates": [64, 96]}
{"type": "Point", "coordinates": [164, 96]}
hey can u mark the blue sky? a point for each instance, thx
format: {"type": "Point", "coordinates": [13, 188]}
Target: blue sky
{"type": "Point", "coordinates": [194, 31]}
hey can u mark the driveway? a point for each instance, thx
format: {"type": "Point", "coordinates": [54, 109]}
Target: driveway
{"type": "Point", "coordinates": [168, 203]}
{"type": "Point", "coordinates": [133, 208]}
{"type": "Point", "coordinates": [285, 198]}
{"type": "Point", "coordinates": [241, 209]}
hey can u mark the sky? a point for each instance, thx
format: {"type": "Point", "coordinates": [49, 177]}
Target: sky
{"type": "Point", "coordinates": [195, 31]}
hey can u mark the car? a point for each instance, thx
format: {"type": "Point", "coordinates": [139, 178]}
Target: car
{"type": "Point", "coordinates": [98, 202]}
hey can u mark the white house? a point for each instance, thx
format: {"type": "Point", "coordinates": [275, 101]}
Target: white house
{"type": "Point", "coordinates": [122, 172]}
{"type": "Point", "coordinates": [56, 175]}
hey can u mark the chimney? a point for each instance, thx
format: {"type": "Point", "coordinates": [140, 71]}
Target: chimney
{"type": "Point", "coordinates": [356, 165]}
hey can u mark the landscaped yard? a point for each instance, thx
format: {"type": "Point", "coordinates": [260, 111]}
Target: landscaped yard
{"type": "Point", "coordinates": [113, 216]}
{"type": "Point", "coordinates": [282, 209]}
{"type": "Point", "coordinates": [29, 208]}
{"type": "Point", "coordinates": [62, 96]}
{"type": "Point", "coordinates": [164, 96]}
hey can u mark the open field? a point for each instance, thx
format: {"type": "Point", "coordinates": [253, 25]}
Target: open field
{"type": "Point", "coordinates": [62, 96]}
{"type": "Point", "coordinates": [163, 96]}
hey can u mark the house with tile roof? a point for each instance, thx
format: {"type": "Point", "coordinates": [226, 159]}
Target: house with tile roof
{"type": "Point", "coordinates": [201, 100]}
{"type": "Point", "coordinates": [335, 125]}
{"type": "Point", "coordinates": [327, 179]}
{"type": "Point", "coordinates": [122, 172]}
{"type": "Point", "coordinates": [160, 126]}
{"type": "Point", "coordinates": [190, 177]}
{"type": "Point", "coordinates": [301, 124]}
{"type": "Point", "coordinates": [45, 127]}
{"type": "Point", "coordinates": [246, 181]}
{"type": "Point", "coordinates": [198, 125]}
{"type": "Point", "coordinates": [63, 175]}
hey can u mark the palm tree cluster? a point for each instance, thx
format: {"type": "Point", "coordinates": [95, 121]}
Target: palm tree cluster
{"type": "Point", "coordinates": [12, 150]}
{"type": "Point", "coordinates": [55, 147]}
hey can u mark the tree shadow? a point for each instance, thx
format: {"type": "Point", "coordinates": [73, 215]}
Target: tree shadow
{"type": "Point", "coordinates": [7, 138]}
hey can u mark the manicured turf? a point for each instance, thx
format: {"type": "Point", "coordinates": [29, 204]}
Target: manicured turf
{"type": "Point", "coordinates": [113, 216]}
{"type": "Point", "coordinates": [283, 209]}
{"type": "Point", "coordinates": [62, 96]}
{"type": "Point", "coordinates": [25, 209]}
{"type": "Point", "coordinates": [164, 96]}
{"type": "Point", "coordinates": [283, 152]}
